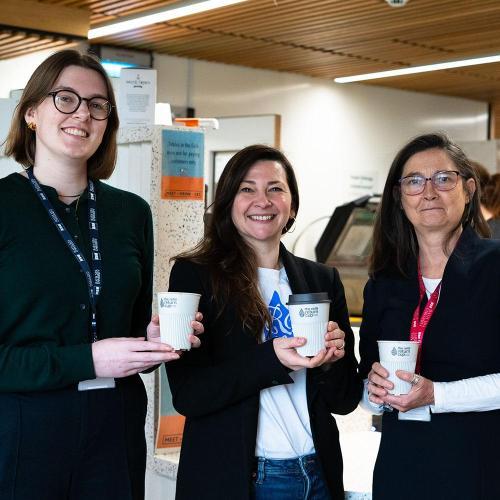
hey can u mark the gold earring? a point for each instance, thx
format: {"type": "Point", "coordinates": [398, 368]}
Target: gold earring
{"type": "Point", "coordinates": [32, 126]}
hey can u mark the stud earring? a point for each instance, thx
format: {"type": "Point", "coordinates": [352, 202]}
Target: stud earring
{"type": "Point", "coordinates": [32, 126]}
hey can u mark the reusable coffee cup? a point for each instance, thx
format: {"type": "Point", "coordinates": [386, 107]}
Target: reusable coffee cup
{"type": "Point", "coordinates": [177, 310]}
{"type": "Point", "coordinates": [309, 313]}
{"type": "Point", "coordinates": [398, 355]}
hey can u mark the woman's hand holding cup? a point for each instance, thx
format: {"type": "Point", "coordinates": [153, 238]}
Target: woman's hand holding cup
{"type": "Point", "coordinates": [378, 384]}
{"type": "Point", "coordinates": [334, 343]}
{"type": "Point", "coordinates": [125, 356]}
{"type": "Point", "coordinates": [153, 330]}
{"type": "Point", "coordinates": [421, 393]}
{"type": "Point", "coordinates": [285, 349]}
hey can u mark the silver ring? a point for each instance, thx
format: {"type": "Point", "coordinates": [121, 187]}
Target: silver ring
{"type": "Point", "coordinates": [341, 347]}
{"type": "Point", "coordinates": [386, 407]}
{"type": "Point", "coordinates": [415, 380]}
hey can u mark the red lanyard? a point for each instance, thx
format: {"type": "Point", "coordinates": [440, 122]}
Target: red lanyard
{"type": "Point", "coordinates": [419, 321]}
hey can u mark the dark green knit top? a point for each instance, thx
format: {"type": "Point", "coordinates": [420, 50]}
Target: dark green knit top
{"type": "Point", "coordinates": [44, 301]}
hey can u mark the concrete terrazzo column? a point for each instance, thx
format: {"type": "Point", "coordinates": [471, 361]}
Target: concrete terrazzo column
{"type": "Point", "coordinates": [177, 224]}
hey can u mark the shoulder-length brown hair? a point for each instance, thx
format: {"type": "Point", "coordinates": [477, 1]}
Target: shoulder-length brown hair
{"type": "Point", "coordinates": [21, 141]}
{"type": "Point", "coordinates": [491, 195]}
{"type": "Point", "coordinates": [394, 240]}
{"type": "Point", "coordinates": [490, 189]}
{"type": "Point", "coordinates": [231, 261]}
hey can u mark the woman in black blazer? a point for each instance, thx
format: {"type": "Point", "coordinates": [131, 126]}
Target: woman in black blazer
{"type": "Point", "coordinates": [434, 280]}
{"type": "Point", "coordinates": [244, 394]}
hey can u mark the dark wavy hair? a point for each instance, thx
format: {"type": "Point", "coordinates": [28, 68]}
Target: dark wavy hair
{"type": "Point", "coordinates": [231, 261]}
{"type": "Point", "coordinates": [394, 240]}
{"type": "Point", "coordinates": [21, 141]}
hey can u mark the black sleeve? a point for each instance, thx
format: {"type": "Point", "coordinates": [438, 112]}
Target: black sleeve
{"type": "Point", "coordinates": [369, 331]}
{"type": "Point", "coordinates": [338, 383]}
{"type": "Point", "coordinates": [142, 307]}
{"type": "Point", "coordinates": [200, 385]}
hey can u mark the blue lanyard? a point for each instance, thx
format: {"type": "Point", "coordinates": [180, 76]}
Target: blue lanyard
{"type": "Point", "coordinates": [92, 273]}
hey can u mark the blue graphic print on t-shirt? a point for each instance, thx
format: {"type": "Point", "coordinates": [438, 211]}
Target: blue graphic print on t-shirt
{"type": "Point", "coordinates": [281, 326]}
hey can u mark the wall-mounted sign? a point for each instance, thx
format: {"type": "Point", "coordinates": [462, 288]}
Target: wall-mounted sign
{"type": "Point", "coordinates": [361, 183]}
{"type": "Point", "coordinates": [137, 97]}
{"type": "Point", "coordinates": [182, 165]}
{"type": "Point", "coordinates": [170, 423]}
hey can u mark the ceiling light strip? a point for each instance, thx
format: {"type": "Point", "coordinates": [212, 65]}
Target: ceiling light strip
{"type": "Point", "coordinates": [419, 69]}
{"type": "Point", "coordinates": [173, 11]}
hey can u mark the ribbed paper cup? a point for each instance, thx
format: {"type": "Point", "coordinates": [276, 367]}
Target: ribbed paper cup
{"type": "Point", "coordinates": [177, 310]}
{"type": "Point", "coordinates": [309, 314]}
{"type": "Point", "coordinates": [398, 355]}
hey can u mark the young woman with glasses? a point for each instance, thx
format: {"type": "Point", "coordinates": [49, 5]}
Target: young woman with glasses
{"type": "Point", "coordinates": [435, 281]}
{"type": "Point", "coordinates": [76, 262]}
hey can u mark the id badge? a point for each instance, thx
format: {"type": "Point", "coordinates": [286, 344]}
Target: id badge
{"type": "Point", "coordinates": [420, 414]}
{"type": "Point", "coordinates": [97, 383]}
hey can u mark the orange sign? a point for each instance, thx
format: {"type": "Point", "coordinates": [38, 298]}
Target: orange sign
{"type": "Point", "coordinates": [170, 429]}
{"type": "Point", "coordinates": [182, 188]}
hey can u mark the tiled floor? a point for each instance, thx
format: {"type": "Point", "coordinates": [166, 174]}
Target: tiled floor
{"type": "Point", "coordinates": [359, 450]}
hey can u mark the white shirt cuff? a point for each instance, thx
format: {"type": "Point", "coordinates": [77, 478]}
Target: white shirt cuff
{"type": "Point", "coordinates": [472, 394]}
{"type": "Point", "coordinates": [366, 404]}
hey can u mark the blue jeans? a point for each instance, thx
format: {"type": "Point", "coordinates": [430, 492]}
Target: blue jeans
{"type": "Point", "coordinates": [289, 479]}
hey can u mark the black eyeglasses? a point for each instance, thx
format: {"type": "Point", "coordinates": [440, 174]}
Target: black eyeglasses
{"type": "Point", "coordinates": [444, 180]}
{"type": "Point", "coordinates": [67, 102]}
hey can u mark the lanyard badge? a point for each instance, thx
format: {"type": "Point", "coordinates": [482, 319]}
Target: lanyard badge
{"type": "Point", "coordinates": [92, 272]}
{"type": "Point", "coordinates": [418, 326]}
{"type": "Point", "coordinates": [419, 321]}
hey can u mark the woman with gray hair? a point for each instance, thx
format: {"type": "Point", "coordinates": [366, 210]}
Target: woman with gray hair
{"type": "Point", "coordinates": [435, 281]}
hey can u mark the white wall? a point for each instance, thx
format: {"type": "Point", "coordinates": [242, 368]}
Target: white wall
{"type": "Point", "coordinates": [16, 72]}
{"type": "Point", "coordinates": [328, 130]}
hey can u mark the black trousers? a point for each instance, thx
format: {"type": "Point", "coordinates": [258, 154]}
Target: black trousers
{"type": "Point", "coordinates": [70, 445]}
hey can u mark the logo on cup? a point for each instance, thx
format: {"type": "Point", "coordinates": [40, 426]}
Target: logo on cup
{"type": "Point", "coordinates": [401, 352]}
{"type": "Point", "coordinates": [309, 312]}
{"type": "Point", "coordinates": [168, 302]}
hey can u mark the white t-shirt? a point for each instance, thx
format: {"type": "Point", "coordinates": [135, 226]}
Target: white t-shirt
{"type": "Point", "coordinates": [284, 430]}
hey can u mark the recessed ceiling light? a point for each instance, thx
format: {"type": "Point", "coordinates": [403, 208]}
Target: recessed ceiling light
{"type": "Point", "coordinates": [172, 11]}
{"type": "Point", "coordinates": [419, 69]}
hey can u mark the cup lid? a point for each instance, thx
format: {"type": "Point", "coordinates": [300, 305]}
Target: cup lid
{"type": "Point", "coordinates": [308, 298]}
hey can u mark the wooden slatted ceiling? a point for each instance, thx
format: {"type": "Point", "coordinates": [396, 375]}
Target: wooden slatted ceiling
{"type": "Point", "coordinates": [327, 38]}
{"type": "Point", "coordinates": [12, 43]}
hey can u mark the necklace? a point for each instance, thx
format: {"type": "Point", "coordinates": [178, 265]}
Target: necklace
{"type": "Point", "coordinates": [77, 202]}
{"type": "Point", "coordinates": [70, 195]}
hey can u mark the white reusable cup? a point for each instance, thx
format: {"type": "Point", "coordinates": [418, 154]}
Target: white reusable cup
{"type": "Point", "coordinates": [309, 313]}
{"type": "Point", "coordinates": [398, 355]}
{"type": "Point", "coordinates": [177, 310]}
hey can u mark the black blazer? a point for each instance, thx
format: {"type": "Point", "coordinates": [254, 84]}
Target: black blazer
{"type": "Point", "coordinates": [217, 388]}
{"type": "Point", "coordinates": [455, 455]}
